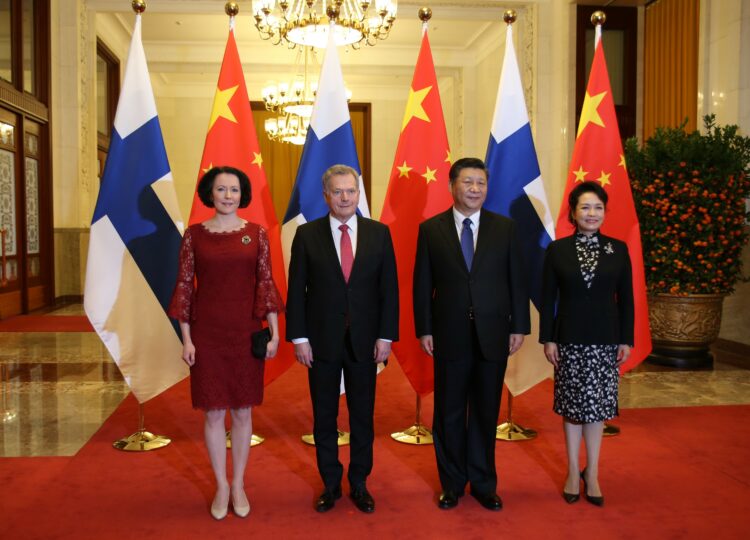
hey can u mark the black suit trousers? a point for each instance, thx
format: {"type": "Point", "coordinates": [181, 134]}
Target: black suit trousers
{"type": "Point", "coordinates": [467, 405]}
{"type": "Point", "coordinates": [324, 378]}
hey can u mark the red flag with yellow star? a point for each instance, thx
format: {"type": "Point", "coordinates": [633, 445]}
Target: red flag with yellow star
{"type": "Point", "coordinates": [598, 156]}
{"type": "Point", "coordinates": [232, 141]}
{"type": "Point", "coordinates": [417, 190]}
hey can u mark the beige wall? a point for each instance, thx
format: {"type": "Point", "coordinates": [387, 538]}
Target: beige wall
{"type": "Point", "coordinates": [724, 89]}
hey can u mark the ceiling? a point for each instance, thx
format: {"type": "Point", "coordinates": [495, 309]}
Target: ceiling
{"type": "Point", "coordinates": [184, 42]}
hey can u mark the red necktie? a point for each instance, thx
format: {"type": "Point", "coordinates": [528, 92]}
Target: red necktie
{"type": "Point", "coordinates": [347, 255]}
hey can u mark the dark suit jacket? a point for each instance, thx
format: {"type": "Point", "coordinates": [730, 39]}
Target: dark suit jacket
{"type": "Point", "coordinates": [600, 315]}
{"type": "Point", "coordinates": [320, 302]}
{"type": "Point", "coordinates": [445, 290]}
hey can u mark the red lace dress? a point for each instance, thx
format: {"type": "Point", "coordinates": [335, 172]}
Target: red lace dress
{"type": "Point", "coordinates": [235, 291]}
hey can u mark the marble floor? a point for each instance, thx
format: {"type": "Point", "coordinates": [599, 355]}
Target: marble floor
{"type": "Point", "coordinates": [57, 388]}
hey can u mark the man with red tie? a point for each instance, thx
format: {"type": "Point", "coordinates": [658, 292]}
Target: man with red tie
{"type": "Point", "coordinates": [342, 313]}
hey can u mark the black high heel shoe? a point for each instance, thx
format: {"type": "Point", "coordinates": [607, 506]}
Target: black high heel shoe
{"type": "Point", "coordinates": [571, 498]}
{"type": "Point", "coordinates": [596, 501]}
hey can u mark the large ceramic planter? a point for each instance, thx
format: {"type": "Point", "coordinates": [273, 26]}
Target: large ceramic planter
{"type": "Point", "coordinates": [683, 327]}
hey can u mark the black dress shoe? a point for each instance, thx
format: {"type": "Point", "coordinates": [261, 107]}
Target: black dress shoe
{"type": "Point", "coordinates": [327, 500]}
{"type": "Point", "coordinates": [595, 500]}
{"type": "Point", "coordinates": [362, 499]}
{"type": "Point", "coordinates": [447, 500]}
{"type": "Point", "coordinates": [491, 501]}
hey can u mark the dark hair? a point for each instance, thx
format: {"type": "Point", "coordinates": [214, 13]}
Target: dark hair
{"type": "Point", "coordinates": [466, 163]}
{"type": "Point", "coordinates": [206, 185]}
{"type": "Point", "coordinates": [588, 186]}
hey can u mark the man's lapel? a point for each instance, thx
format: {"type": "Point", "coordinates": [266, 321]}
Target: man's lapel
{"type": "Point", "coordinates": [447, 225]}
{"type": "Point", "coordinates": [327, 246]}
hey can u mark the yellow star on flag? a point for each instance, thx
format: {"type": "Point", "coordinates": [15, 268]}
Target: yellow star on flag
{"type": "Point", "coordinates": [604, 179]}
{"type": "Point", "coordinates": [414, 107]}
{"type": "Point", "coordinates": [622, 162]}
{"type": "Point", "coordinates": [429, 175]}
{"type": "Point", "coordinates": [580, 174]}
{"type": "Point", "coordinates": [448, 158]}
{"type": "Point", "coordinates": [221, 106]}
{"type": "Point", "coordinates": [589, 113]}
{"type": "Point", "coordinates": [403, 170]}
{"type": "Point", "coordinates": [258, 160]}
{"type": "Point", "coordinates": [210, 166]}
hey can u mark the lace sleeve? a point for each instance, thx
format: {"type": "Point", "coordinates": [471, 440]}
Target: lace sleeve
{"type": "Point", "coordinates": [182, 297]}
{"type": "Point", "coordinates": [267, 297]}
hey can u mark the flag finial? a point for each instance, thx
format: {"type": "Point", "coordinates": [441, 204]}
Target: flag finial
{"type": "Point", "coordinates": [598, 18]}
{"type": "Point", "coordinates": [509, 16]}
{"type": "Point", "coordinates": [139, 6]}
{"type": "Point", "coordinates": [231, 9]}
{"type": "Point", "coordinates": [425, 14]}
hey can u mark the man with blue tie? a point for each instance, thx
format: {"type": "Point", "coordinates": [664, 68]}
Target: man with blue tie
{"type": "Point", "coordinates": [471, 311]}
{"type": "Point", "coordinates": [342, 313]}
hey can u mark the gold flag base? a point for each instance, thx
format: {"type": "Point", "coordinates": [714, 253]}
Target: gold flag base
{"type": "Point", "coordinates": [510, 431]}
{"type": "Point", "coordinates": [255, 440]}
{"type": "Point", "coordinates": [610, 430]}
{"type": "Point", "coordinates": [141, 441]}
{"type": "Point", "coordinates": [343, 438]}
{"type": "Point", "coordinates": [416, 434]}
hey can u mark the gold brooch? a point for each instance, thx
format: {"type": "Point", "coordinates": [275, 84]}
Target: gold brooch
{"type": "Point", "coordinates": [246, 239]}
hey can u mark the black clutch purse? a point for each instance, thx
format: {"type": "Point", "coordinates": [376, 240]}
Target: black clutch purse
{"type": "Point", "coordinates": [259, 341]}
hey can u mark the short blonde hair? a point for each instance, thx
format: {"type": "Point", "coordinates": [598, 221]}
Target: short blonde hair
{"type": "Point", "coordinates": [339, 170]}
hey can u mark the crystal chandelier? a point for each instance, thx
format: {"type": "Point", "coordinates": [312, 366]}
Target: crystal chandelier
{"type": "Point", "coordinates": [306, 22]}
{"type": "Point", "coordinates": [288, 128]}
{"type": "Point", "coordinates": [292, 101]}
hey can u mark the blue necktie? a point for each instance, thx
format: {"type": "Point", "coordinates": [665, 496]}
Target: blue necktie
{"type": "Point", "coordinates": [467, 243]}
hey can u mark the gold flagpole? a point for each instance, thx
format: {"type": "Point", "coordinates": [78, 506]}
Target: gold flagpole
{"type": "Point", "coordinates": [416, 434]}
{"type": "Point", "coordinates": [141, 440]}
{"type": "Point", "coordinates": [510, 431]}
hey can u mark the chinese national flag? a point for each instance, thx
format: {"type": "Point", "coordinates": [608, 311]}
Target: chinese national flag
{"type": "Point", "coordinates": [417, 190]}
{"type": "Point", "coordinates": [231, 141]}
{"type": "Point", "coordinates": [598, 156]}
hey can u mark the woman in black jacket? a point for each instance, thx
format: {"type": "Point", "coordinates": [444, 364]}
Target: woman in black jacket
{"type": "Point", "coordinates": [587, 330]}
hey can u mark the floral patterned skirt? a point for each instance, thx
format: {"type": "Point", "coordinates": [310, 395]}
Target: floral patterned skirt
{"type": "Point", "coordinates": [586, 381]}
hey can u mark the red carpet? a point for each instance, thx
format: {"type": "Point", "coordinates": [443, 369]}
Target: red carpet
{"type": "Point", "coordinates": [673, 473]}
{"type": "Point", "coordinates": [46, 323]}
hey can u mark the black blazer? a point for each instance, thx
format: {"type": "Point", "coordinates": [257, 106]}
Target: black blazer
{"type": "Point", "coordinates": [600, 315]}
{"type": "Point", "coordinates": [445, 291]}
{"type": "Point", "coordinates": [320, 303]}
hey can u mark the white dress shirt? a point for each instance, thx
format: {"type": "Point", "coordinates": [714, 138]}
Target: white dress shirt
{"type": "Point", "coordinates": [458, 218]}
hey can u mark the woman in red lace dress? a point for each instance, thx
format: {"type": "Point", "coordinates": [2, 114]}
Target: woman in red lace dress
{"type": "Point", "coordinates": [229, 258]}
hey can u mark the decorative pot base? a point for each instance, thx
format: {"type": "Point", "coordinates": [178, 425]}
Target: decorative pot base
{"type": "Point", "coordinates": [682, 328]}
{"type": "Point", "coordinates": [671, 358]}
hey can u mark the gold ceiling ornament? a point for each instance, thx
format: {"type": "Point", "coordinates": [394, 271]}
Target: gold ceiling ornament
{"type": "Point", "coordinates": [139, 6]}
{"type": "Point", "coordinates": [307, 22]}
{"type": "Point", "coordinates": [509, 17]}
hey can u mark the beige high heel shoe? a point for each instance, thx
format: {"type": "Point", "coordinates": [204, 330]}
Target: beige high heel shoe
{"type": "Point", "coordinates": [219, 511]}
{"type": "Point", "coordinates": [241, 510]}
